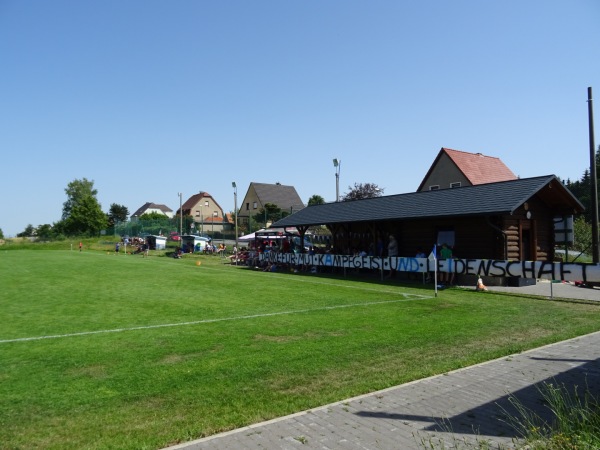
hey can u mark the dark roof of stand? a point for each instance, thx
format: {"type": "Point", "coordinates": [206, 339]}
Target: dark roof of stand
{"type": "Point", "coordinates": [485, 199]}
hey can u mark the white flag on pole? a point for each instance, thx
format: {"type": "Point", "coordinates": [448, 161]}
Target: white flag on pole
{"type": "Point", "coordinates": [433, 254]}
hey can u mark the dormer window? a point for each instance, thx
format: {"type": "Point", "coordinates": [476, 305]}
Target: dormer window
{"type": "Point", "coordinates": [435, 187]}
{"type": "Point", "coordinates": [455, 184]}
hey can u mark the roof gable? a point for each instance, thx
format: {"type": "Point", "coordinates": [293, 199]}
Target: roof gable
{"type": "Point", "coordinates": [477, 168]}
{"type": "Point", "coordinates": [285, 197]}
{"type": "Point", "coordinates": [148, 205]}
{"type": "Point", "coordinates": [191, 202]}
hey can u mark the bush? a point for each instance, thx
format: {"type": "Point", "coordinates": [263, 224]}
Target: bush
{"type": "Point", "coordinates": [575, 424]}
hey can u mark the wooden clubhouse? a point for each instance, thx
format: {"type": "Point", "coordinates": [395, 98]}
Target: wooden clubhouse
{"type": "Point", "coordinates": [506, 220]}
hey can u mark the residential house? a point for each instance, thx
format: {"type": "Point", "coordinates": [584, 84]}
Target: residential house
{"type": "Point", "coordinates": [455, 168]}
{"type": "Point", "coordinates": [149, 208]}
{"type": "Point", "coordinates": [207, 213]}
{"type": "Point", "coordinates": [259, 194]}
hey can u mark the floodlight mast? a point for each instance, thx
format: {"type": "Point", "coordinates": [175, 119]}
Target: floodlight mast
{"type": "Point", "coordinates": [337, 163]}
{"type": "Point", "coordinates": [180, 214]}
{"type": "Point", "coordinates": [234, 186]}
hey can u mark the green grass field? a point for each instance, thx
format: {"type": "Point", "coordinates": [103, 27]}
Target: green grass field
{"type": "Point", "coordinates": [102, 351]}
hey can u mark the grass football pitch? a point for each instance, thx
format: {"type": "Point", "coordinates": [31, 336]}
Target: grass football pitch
{"type": "Point", "coordinates": [103, 351]}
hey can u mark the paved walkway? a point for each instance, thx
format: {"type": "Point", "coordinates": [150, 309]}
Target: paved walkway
{"type": "Point", "coordinates": [463, 405]}
{"type": "Point", "coordinates": [549, 289]}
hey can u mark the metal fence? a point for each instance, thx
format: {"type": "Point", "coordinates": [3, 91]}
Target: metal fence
{"type": "Point", "coordinates": [166, 227]}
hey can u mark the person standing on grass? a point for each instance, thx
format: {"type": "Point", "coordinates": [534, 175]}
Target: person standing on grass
{"type": "Point", "coordinates": [446, 253]}
{"type": "Point", "coordinates": [392, 253]}
{"type": "Point", "coordinates": [80, 245]}
{"type": "Point", "coordinates": [420, 254]}
{"type": "Point", "coordinates": [117, 248]}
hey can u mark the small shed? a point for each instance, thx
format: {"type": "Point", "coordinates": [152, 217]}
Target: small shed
{"type": "Point", "coordinates": [156, 242]}
{"type": "Point", "coordinates": [192, 243]}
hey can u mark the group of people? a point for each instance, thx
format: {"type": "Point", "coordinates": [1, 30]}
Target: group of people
{"type": "Point", "coordinates": [445, 253]}
{"type": "Point", "coordinates": [212, 249]}
{"type": "Point", "coordinates": [140, 247]}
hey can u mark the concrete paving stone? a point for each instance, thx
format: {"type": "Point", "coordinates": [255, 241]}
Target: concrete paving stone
{"type": "Point", "coordinates": [378, 423]}
{"type": "Point", "coordinates": [343, 434]}
{"type": "Point", "coordinates": [366, 437]}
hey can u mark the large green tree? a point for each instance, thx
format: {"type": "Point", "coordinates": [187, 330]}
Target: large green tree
{"type": "Point", "coordinates": [117, 213]}
{"type": "Point", "coordinates": [583, 235]}
{"type": "Point", "coordinates": [362, 190]}
{"type": "Point", "coordinates": [29, 231]}
{"type": "Point", "coordinates": [86, 218]}
{"type": "Point", "coordinates": [316, 200]}
{"type": "Point", "coordinates": [82, 214]}
{"type": "Point", "coordinates": [582, 188]}
{"type": "Point", "coordinates": [45, 231]}
{"type": "Point", "coordinates": [270, 213]}
{"type": "Point", "coordinates": [76, 191]}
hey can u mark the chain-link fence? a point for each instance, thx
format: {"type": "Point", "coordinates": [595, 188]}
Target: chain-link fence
{"type": "Point", "coordinates": [168, 227]}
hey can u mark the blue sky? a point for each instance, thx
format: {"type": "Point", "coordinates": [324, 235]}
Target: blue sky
{"type": "Point", "coordinates": [151, 98]}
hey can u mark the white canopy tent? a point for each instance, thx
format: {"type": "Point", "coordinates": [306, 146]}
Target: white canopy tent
{"type": "Point", "coordinates": [247, 238]}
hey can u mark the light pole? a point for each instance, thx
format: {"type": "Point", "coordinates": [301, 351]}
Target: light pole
{"type": "Point", "coordinates": [213, 224]}
{"type": "Point", "coordinates": [337, 163]}
{"type": "Point", "coordinates": [180, 214]}
{"type": "Point", "coordinates": [206, 206]}
{"type": "Point", "coordinates": [595, 243]}
{"type": "Point", "coordinates": [233, 185]}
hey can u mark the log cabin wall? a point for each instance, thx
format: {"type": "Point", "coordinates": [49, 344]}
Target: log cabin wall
{"type": "Point", "coordinates": [511, 237]}
{"type": "Point", "coordinates": [512, 230]}
{"type": "Point", "coordinates": [530, 238]}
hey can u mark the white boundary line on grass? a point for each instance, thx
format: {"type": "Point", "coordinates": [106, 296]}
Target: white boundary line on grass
{"type": "Point", "coordinates": [224, 319]}
{"type": "Point", "coordinates": [271, 275]}
{"type": "Point", "coordinates": [306, 279]}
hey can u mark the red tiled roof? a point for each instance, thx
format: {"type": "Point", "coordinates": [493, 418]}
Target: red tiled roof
{"type": "Point", "coordinates": [194, 200]}
{"type": "Point", "coordinates": [478, 168]}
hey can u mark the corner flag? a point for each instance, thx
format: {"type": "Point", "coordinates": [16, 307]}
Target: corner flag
{"type": "Point", "coordinates": [433, 254]}
{"type": "Point", "coordinates": [433, 257]}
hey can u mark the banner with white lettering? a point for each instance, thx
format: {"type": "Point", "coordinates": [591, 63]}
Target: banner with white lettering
{"type": "Point", "coordinates": [482, 267]}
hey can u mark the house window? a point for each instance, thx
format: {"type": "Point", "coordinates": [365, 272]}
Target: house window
{"type": "Point", "coordinates": [206, 203]}
{"type": "Point", "coordinates": [455, 184]}
{"type": "Point", "coordinates": [435, 187]}
{"type": "Point", "coordinates": [254, 205]}
{"type": "Point", "coordinates": [197, 213]}
{"type": "Point", "coordinates": [247, 206]}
